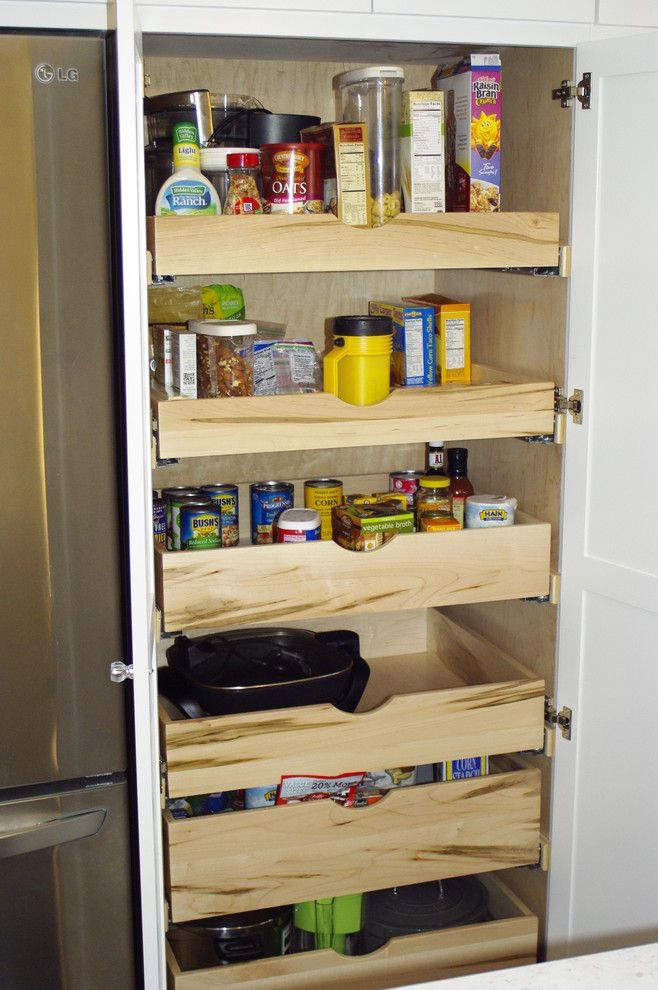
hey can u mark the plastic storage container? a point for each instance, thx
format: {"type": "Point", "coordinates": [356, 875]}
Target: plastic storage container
{"type": "Point", "coordinates": [373, 95]}
{"type": "Point", "coordinates": [224, 357]}
{"type": "Point", "coordinates": [213, 165]}
{"type": "Point", "coordinates": [358, 367]}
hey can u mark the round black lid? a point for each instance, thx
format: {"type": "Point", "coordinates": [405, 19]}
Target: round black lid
{"type": "Point", "coordinates": [425, 906]}
{"type": "Point", "coordinates": [234, 925]}
{"type": "Point", "coordinates": [362, 326]}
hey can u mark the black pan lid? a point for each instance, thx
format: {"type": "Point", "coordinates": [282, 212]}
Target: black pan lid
{"type": "Point", "coordinates": [252, 658]}
{"type": "Point", "coordinates": [425, 906]}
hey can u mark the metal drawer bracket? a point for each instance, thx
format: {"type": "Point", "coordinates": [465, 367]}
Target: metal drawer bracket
{"type": "Point", "coordinates": [553, 596]}
{"type": "Point", "coordinates": [562, 718]}
{"type": "Point", "coordinates": [567, 92]}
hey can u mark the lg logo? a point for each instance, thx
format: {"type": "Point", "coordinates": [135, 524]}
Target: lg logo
{"type": "Point", "coordinates": [45, 73]}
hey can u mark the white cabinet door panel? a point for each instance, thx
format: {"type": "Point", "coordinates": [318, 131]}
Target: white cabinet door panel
{"type": "Point", "coordinates": [576, 11]}
{"type": "Point", "coordinates": [604, 868]}
{"type": "Point", "coordinates": [328, 6]}
{"type": "Point", "coordinates": [635, 13]}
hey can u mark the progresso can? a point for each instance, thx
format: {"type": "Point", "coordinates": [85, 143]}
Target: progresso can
{"type": "Point", "coordinates": [323, 494]}
{"type": "Point", "coordinates": [268, 501]}
{"type": "Point", "coordinates": [175, 498]}
{"type": "Point", "coordinates": [159, 520]}
{"type": "Point", "coordinates": [407, 483]}
{"type": "Point", "coordinates": [200, 525]}
{"type": "Point", "coordinates": [225, 497]}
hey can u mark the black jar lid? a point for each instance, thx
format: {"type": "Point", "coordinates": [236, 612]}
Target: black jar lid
{"type": "Point", "coordinates": [362, 326]}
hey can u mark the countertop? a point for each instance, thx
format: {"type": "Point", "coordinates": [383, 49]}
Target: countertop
{"type": "Point", "coordinates": [636, 967]}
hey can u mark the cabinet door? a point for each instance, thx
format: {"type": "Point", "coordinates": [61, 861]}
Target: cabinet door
{"type": "Point", "coordinates": [605, 813]}
{"type": "Point", "coordinates": [533, 10]}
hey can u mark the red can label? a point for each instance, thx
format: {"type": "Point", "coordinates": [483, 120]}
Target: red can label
{"type": "Point", "coordinates": [292, 177]}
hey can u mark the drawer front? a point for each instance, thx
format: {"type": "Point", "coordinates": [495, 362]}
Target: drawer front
{"type": "Point", "coordinates": [220, 588]}
{"type": "Point", "coordinates": [253, 750]}
{"type": "Point", "coordinates": [411, 959]}
{"type": "Point", "coordinates": [261, 858]}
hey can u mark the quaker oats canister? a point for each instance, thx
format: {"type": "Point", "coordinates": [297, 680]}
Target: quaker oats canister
{"type": "Point", "coordinates": [292, 177]}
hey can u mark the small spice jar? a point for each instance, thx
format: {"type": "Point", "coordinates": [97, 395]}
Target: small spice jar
{"type": "Point", "coordinates": [224, 357]}
{"type": "Point", "coordinates": [433, 495]}
{"type": "Point", "coordinates": [243, 195]}
{"type": "Point", "coordinates": [213, 164]}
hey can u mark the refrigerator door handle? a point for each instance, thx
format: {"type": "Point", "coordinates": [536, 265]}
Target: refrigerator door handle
{"type": "Point", "coordinates": [44, 835]}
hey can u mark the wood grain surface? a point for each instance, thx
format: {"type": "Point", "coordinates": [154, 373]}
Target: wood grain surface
{"type": "Point", "coordinates": [260, 858]}
{"type": "Point", "coordinates": [321, 243]}
{"type": "Point", "coordinates": [491, 407]}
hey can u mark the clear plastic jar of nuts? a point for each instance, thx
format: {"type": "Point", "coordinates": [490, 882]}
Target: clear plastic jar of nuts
{"type": "Point", "coordinates": [224, 357]}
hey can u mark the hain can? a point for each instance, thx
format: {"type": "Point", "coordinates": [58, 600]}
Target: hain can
{"type": "Point", "coordinates": [159, 520]}
{"type": "Point", "coordinates": [323, 494]}
{"type": "Point", "coordinates": [175, 498]}
{"type": "Point", "coordinates": [200, 525]}
{"type": "Point", "coordinates": [225, 497]}
{"type": "Point", "coordinates": [268, 501]}
{"type": "Point", "coordinates": [407, 483]}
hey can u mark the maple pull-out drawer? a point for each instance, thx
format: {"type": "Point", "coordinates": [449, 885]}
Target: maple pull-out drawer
{"type": "Point", "coordinates": [508, 939]}
{"type": "Point", "coordinates": [219, 588]}
{"type": "Point", "coordinates": [450, 694]}
{"type": "Point", "coordinates": [220, 864]}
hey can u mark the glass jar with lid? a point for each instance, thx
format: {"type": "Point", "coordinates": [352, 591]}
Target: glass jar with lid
{"type": "Point", "coordinates": [433, 495]}
{"type": "Point", "coordinates": [213, 164]}
{"type": "Point", "coordinates": [224, 357]}
{"type": "Point", "coordinates": [243, 193]}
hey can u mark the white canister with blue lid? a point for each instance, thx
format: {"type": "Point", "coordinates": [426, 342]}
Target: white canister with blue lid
{"type": "Point", "coordinates": [483, 511]}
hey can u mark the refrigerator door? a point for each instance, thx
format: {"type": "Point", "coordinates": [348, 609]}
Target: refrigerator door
{"type": "Point", "coordinates": [60, 583]}
{"type": "Point", "coordinates": [63, 923]}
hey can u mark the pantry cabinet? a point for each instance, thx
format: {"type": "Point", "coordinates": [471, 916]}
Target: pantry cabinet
{"type": "Point", "coordinates": [460, 659]}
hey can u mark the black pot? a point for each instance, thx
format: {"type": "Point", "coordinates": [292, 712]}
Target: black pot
{"type": "Point", "coordinates": [238, 937]}
{"type": "Point", "coordinates": [259, 669]}
{"type": "Point", "coordinates": [422, 907]}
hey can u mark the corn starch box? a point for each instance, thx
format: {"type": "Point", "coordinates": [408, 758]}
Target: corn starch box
{"type": "Point", "coordinates": [413, 361]}
{"type": "Point", "coordinates": [422, 158]}
{"type": "Point", "coordinates": [473, 108]}
{"type": "Point", "coordinates": [452, 327]}
{"type": "Point", "coordinates": [346, 167]}
{"type": "Point", "coordinates": [473, 766]}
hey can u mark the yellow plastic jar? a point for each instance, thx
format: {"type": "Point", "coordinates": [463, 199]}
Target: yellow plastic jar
{"type": "Point", "coordinates": [358, 367]}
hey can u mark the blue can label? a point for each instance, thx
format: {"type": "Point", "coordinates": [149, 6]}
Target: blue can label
{"type": "Point", "coordinates": [159, 521]}
{"type": "Point", "coordinates": [225, 498]}
{"type": "Point", "coordinates": [266, 507]}
{"type": "Point", "coordinates": [200, 529]}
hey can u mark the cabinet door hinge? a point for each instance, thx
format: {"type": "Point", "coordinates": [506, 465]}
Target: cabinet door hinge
{"type": "Point", "coordinates": [120, 672]}
{"type": "Point", "coordinates": [573, 405]}
{"type": "Point", "coordinates": [582, 91]}
{"type": "Point", "coordinates": [562, 718]}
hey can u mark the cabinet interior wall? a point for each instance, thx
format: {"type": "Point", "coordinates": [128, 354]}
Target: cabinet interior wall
{"type": "Point", "coordinates": [518, 322]}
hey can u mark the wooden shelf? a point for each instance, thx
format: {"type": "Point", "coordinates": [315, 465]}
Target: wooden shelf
{"type": "Point", "coordinates": [235, 245]}
{"type": "Point", "coordinates": [509, 939]}
{"type": "Point", "coordinates": [495, 405]}
{"type": "Point", "coordinates": [264, 857]}
{"type": "Point", "coordinates": [461, 696]}
{"type": "Point", "coordinates": [219, 588]}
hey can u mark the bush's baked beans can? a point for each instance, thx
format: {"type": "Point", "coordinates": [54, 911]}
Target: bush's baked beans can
{"type": "Point", "coordinates": [175, 497]}
{"type": "Point", "coordinates": [200, 525]}
{"type": "Point", "coordinates": [407, 483]}
{"type": "Point", "coordinates": [268, 500]}
{"type": "Point", "coordinates": [225, 497]}
{"type": "Point", "coordinates": [323, 494]}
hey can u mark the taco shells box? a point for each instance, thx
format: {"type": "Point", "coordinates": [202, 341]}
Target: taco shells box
{"type": "Point", "coordinates": [413, 361]}
{"type": "Point", "coordinates": [452, 328]}
{"type": "Point", "coordinates": [473, 109]}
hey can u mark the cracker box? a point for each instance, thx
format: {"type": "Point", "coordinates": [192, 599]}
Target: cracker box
{"type": "Point", "coordinates": [422, 158]}
{"type": "Point", "coordinates": [413, 361]}
{"type": "Point", "coordinates": [452, 327]}
{"type": "Point", "coordinates": [346, 170]}
{"type": "Point", "coordinates": [473, 108]}
{"type": "Point", "coordinates": [175, 359]}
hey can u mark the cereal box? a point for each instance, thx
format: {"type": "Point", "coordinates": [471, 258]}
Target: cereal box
{"type": "Point", "coordinates": [422, 158]}
{"type": "Point", "coordinates": [413, 361]}
{"type": "Point", "coordinates": [346, 182]}
{"type": "Point", "coordinates": [473, 95]}
{"type": "Point", "coordinates": [452, 327]}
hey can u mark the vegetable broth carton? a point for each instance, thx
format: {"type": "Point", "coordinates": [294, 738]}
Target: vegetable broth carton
{"type": "Point", "coordinates": [413, 361]}
{"type": "Point", "coordinates": [473, 105]}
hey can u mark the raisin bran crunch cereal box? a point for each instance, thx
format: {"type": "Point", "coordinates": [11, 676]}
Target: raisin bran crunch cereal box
{"type": "Point", "coordinates": [473, 103]}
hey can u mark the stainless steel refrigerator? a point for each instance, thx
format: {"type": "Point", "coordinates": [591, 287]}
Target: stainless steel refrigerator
{"type": "Point", "coordinates": [66, 876]}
